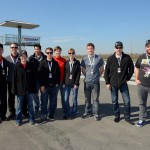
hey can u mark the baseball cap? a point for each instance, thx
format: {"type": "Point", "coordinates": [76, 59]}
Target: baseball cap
{"type": "Point", "coordinates": [147, 42]}
{"type": "Point", "coordinates": [23, 52]}
{"type": "Point", "coordinates": [118, 43]}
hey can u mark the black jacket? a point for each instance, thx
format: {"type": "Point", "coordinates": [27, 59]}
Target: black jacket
{"type": "Point", "coordinates": [75, 73]}
{"type": "Point", "coordinates": [11, 66]}
{"type": "Point", "coordinates": [111, 74]}
{"type": "Point", "coordinates": [35, 62]}
{"type": "Point", "coordinates": [3, 75]}
{"type": "Point", "coordinates": [44, 72]}
{"type": "Point", "coordinates": [24, 80]}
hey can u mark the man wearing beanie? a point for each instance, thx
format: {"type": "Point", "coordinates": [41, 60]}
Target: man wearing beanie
{"type": "Point", "coordinates": [142, 78]}
{"type": "Point", "coordinates": [118, 71]}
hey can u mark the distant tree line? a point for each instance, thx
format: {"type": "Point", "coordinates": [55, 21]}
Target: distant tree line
{"type": "Point", "coordinates": [134, 56]}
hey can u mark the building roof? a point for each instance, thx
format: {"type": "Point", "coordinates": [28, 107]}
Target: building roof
{"type": "Point", "coordinates": [17, 24]}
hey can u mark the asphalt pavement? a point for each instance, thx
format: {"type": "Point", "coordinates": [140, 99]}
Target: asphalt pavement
{"type": "Point", "coordinates": [81, 134]}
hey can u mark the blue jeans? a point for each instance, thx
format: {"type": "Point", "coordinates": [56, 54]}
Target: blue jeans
{"type": "Point", "coordinates": [20, 99]}
{"type": "Point", "coordinates": [50, 94]}
{"type": "Point", "coordinates": [92, 91]}
{"type": "Point", "coordinates": [62, 94]}
{"type": "Point", "coordinates": [36, 101]}
{"type": "Point", "coordinates": [126, 99]}
{"type": "Point", "coordinates": [74, 99]}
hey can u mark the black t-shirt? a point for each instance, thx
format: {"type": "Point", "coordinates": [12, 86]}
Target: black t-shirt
{"type": "Point", "coordinates": [144, 69]}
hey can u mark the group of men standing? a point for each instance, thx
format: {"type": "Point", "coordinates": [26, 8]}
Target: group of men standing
{"type": "Point", "coordinates": [48, 74]}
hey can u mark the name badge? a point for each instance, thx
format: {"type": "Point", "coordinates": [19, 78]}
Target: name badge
{"type": "Point", "coordinates": [50, 75]}
{"type": "Point", "coordinates": [119, 70]}
{"type": "Point", "coordinates": [70, 77]}
{"type": "Point", "coordinates": [3, 72]}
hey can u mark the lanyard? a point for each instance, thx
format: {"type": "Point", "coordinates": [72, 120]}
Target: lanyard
{"type": "Point", "coordinates": [119, 60]}
{"type": "Point", "coordinates": [13, 60]}
{"type": "Point", "coordinates": [2, 63]}
{"type": "Point", "coordinates": [91, 62]}
{"type": "Point", "coordinates": [50, 66]}
{"type": "Point", "coordinates": [148, 62]}
{"type": "Point", "coordinates": [71, 65]}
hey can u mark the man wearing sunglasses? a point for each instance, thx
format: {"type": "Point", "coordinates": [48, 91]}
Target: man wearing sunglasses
{"type": "Point", "coordinates": [142, 78]}
{"type": "Point", "coordinates": [49, 78]}
{"type": "Point", "coordinates": [12, 60]}
{"type": "Point", "coordinates": [118, 71]}
{"type": "Point", "coordinates": [72, 77]}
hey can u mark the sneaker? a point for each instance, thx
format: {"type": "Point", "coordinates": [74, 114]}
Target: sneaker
{"type": "Point", "coordinates": [5, 118]}
{"type": "Point", "coordinates": [117, 119]}
{"type": "Point", "coordinates": [65, 117]}
{"type": "Point", "coordinates": [141, 123]}
{"type": "Point", "coordinates": [42, 121]}
{"type": "Point", "coordinates": [96, 117]}
{"type": "Point", "coordinates": [86, 116]}
{"type": "Point", "coordinates": [72, 117]}
{"type": "Point", "coordinates": [51, 117]}
{"type": "Point", "coordinates": [18, 124]}
{"type": "Point", "coordinates": [129, 121]}
{"type": "Point", "coordinates": [32, 123]}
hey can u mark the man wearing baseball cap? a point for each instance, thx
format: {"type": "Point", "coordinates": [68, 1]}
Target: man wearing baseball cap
{"type": "Point", "coordinates": [142, 78]}
{"type": "Point", "coordinates": [118, 71]}
{"type": "Point", "coordinates": [24, 86]}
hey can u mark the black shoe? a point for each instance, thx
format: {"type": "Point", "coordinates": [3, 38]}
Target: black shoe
{"type": "Point", "coordinates": [0, 120]}
{"type": "Point", "coordinates": [11, 116]}
{"type": "Point", "coordinates": [5, 118]}
{"type": "Point", "coordinates": [42, 121]}
{"type": "Point", "coordinates": [51, 118]}
{"type": "Point", "coordinates": [96, 117]}
{"type": "Point", "coordinates": [65, 117]}
{"type": "Point", "coordinates": [129, 121]}
{"type": "Point", "coordinates": [72, 117]}
{"type": "Point", "coordinates": [117, 119]}
{"type": "Point", "coordinates": [86, 116]}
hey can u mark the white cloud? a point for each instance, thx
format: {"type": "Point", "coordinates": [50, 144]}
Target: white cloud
{"type": "Point", "coordinates": [64, 39]}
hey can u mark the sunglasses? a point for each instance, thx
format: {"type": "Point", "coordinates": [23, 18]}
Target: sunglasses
{"type": "Point", "coordinates": [49, 52]}
{"type": "Point", "coordinates": [14, 47]}
{"type": "Point", "coordinates": [71, 53]}
{"type": "Point", "coordinates": [118, 47]}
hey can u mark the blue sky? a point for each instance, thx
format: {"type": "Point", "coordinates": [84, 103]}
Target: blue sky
{"type": "Point", "coordinates": [74, 23]}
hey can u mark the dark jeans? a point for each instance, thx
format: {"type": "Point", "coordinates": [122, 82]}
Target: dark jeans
{"type": "Point", "coordinates": [62, 94]}
{"type": "Point", "coordinates": [3, 102]}
{"type": "Point", "coordinates": [11, 100]}
{"type": "Point", "coordinates": [37, 99]}
{"type": "Point", "coordinates": [126, 99]}
{"type": "Point", "coordinates": [92, 91]}
{"type": "Point", "coordinates": [20, 100]}
{"type": "Point", "coordinates": [50, 94]}
{"type": "Point", "coordinates": [143, 96]}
